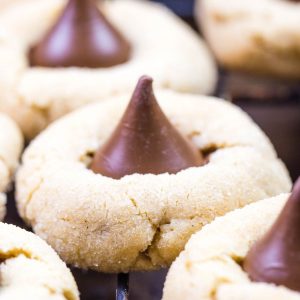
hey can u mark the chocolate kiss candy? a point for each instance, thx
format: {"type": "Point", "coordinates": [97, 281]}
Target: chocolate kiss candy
{"type": "Point", "coordinates": [145, 141]}
{"type": "Point", "coordinates": [82, 37]}
{"type": "Point", "coordinates": [276, 257]}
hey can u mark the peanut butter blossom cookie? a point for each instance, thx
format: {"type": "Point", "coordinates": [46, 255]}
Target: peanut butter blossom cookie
{"type": "Point", "coordinates": [261, 36]}
{"type": "Point", "coordinates": [117, 189]}
{"type": "Point", "coordinates": [11, 145]}
{"type": "Point", "coordinates": [58, 55]}
{"type": "Point", "coordinates": [30, 269]}
{"type": "Point", "coordinates": [251, 253]}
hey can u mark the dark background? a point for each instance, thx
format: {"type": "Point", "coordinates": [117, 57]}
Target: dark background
{"type": "Point", "coordinates": [183, 8]}
{"type": "Point", "coordinates": [275, 106]}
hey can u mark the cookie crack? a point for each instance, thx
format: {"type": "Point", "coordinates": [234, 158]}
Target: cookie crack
{"type": "Point", "coordinates": [152, 252]}
{"type": "Point", "coordinates": [35, 187]}
{"type": "Point", "coordinates": [145, 254]}
{"type": "Point", "coordinates": [142, 214]}
{"type": "Point", "coordinates": [31, 195]}
{"type": "Point", "coordinates": [152, 246]}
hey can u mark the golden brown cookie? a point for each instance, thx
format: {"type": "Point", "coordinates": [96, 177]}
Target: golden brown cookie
{"type": "Point", "coordinates": [141, 222]}
{"type": "Point", "coordinates": [260, 36]}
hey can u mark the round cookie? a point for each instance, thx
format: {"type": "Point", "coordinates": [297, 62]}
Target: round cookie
{"type": "Point", "coordinates": [141, 222]}
{"type": "Point", "coordinates": [210, 265]}
{"type": "Point", "coordinates": [30, 269]}
{"type": "Point", "coordinates": [260, 36]}
{"type": "Point", "coordinates": [11, 145]}
{"type": "Point", "coordinates": [162, 46]}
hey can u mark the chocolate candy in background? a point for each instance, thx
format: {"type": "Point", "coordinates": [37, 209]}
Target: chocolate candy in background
{"type": "Point", "coordinates": [82, 37]}
{"type": "Point", "coordinates": [276, 257]}
{"type": "Point", "coordinates": [145, 141]}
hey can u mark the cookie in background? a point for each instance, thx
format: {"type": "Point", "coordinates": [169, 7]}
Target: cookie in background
{"type": "Point", "coordinates": [259, 36]}
{"type": "Point", "coordinates": [51, 66]}
{"type": "Point", "coordinates": [257, 44]}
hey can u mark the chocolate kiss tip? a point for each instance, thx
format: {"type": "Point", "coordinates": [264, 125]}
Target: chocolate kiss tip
{"type": "Point", "coordinates": [144, 91]}
{"type": "Point", "coordinates": [276, 257]}
{"type": "Point", "coordinates": [145, 79]}
{"type": "Point", "coordinates": [145, 142]}
{"type": "Point", "coordinates": [82, 37]}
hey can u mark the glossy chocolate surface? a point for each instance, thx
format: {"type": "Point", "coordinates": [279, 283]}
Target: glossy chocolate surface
{"type": "Point", "coordinates": [145, 141]}
{"type": "Point", "coordinates": [276, 257]}
{"type": "Point", "coordinates": [82, 37]}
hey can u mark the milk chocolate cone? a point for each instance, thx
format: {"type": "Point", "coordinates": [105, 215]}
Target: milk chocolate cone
{"type": "Point", "coordinates": [82, 37]}
{"type": "Point", "coordinates": [276, 257]}
{"type": "Point", "coordinates": [145, 141]}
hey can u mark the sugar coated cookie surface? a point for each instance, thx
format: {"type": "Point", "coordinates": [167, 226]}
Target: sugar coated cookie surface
{"type": "Point", "coordinates": [30, 269]}
{"type": "Point", "coordinates": [261, 36]}
{"type": "Point", "coordinates": [210, 266]}
{"type": "Point", "coordinates": [11, 144]}
{"type": "Point", "coordinates": [141, 222]}
{"type": "Point", "coordinates": [162, 46]}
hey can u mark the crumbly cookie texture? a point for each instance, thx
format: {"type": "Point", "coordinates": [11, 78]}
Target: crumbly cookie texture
{"type": "Point", "coordinates": [142, 222]}
{"type": "Point", "coordinates": [163, 47]}
{"type": "Point", "coordinates": [210, 266]}
{"type": "Point", "coordinates": [11, 145]}
{"type": "Point", "coordinates": [261, 36]}
{"type": "Point", "coordinates": [30, 269]}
